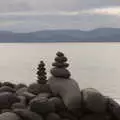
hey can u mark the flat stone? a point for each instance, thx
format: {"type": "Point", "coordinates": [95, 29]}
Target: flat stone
{"type": "Point", "coordinates": [9, 116]}
{"type": "Point", "coordinates": [61, 59]}
{"type": "Point", "coordinates": [27, 115]}
{"type": "Point", "coordinates": [60, 65]}
{"type": "Point", "coordinates": [60, 72]}
{"type": "Point", "coordinates": [93, 100]}
{"type": "Point", "coordinates": [68, 90]}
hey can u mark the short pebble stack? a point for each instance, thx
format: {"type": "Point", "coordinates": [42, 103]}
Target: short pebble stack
{"type": "Point", "coordinates": [56, 98]}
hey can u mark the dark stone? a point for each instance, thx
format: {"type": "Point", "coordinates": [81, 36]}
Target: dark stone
{"type": "Point", "coordinates": [95, 117]}
{"type": "Point", "coordinates": [18, 106]}
{"type": "Point", "coordinates": [60, 72]}
{"type": "Point", "coordinates": [68, 90]}
{"type": "Point", "coordinates": [41, 105]}
{"type": "Point", "coordinates": [59, 105]}
{"type": "Point", "coordinates": [114, 108]}
{"type": "Point", "coordinates": [93, 100]}
{"type": "Point", "coordinates": [60, 54]}
{"type": "Point", "coordinates": [44, 95]}
{"type": "Point", "coordinates": [67, 115]}
{"type": "Point", "coordinates": [5, 110]}
{"type": "Point", "coordinates": [7, 99]}
{"type": "Point", "coordinates": [9, 116]}
{"type": "Point", "coordinates": [27, 115]}
{"type": "Point", "coordinates": [61, 59]}
{"type": "Point", "coordinates": [6, 89]}
{"type": "Point", "coordinates": [39, 88]}
{"type": "Point", "coordinates": [53, 116]}
{"type": "Point", "coordinates": [19, 86]}
{"type": "Point", "coordinates": [21, 91]}
{"type": "Point", "coordinates": [23, 99]}
{"type": "Point", "coordinates": [60, 65]}
{"type": "Point", "coordinates": [9, 84]}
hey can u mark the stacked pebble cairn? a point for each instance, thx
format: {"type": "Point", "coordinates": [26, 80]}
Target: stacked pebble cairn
{"type": "Point", "coordinates": [56, 98]}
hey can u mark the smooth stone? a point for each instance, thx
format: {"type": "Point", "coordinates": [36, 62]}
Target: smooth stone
{"type": "Point", "coordinates": [60, 65]}
{"type": "Point", "coordinates": [44, 95]}
{"type": "Point", "coordinates": [60, 54]}
{"type": "Point", "coordinates": [61, 59]}
{"type": "Point", "coordinates": [9, 84]}
{"type": "Point", "coordinates": [6, 110]}
{"type": "Point", "coordinates": [6, 89]}
{"type": "Point", "coordinates": [21, 91]}
{"type": "Point", "coordinates": [68, 90]}
{"type": "Point", "coordinates": [93, 100]}
{"type": "Point", "coordinates": [60, 72]}
{"type": "Point", "coordinates": [114, 108]}
{"type": "Point", "coordinates": [53, 116]}
{"type": "Point", "coordinates": [95, 117]}
{"type": "Point", "coordinates": [23, 99]}
{"type": "Point", "coordinates": [19, 86]}
{"type": "Point", "coordinates": [9, 116]}
{"type": "Point", "coordinates": [7, 99]}
{"type": "Point", "coordinates": [27, 115]}
{"type": "Point", "coordinates": [18, 106]}
{"type": "Point", "coordinates": [41, 105]}
{"type": "Point", "coordinates": [59, 105]}
{"type": "Point", "coordinates": [39, 88]}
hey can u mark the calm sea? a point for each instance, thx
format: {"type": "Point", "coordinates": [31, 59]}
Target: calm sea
{"type": "Point", "coordinates": [91, 64]}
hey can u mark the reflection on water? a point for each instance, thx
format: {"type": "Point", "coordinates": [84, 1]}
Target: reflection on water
{"type": "Point", "coordinates": [91, 64]}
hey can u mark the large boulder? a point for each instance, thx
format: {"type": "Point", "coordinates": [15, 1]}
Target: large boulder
{"type": "Point", "coordinates": [114, 108]}
{"type": "Point", "coordinates": [68, 90]}
{"type": "Point", "coordinates": [27, 115]}
{"type": "Point", "coordinates": [9, 116]}
{"type": "Point", "coordinates": [41, 105]}
{"type": "Point", "coordinates": [7, 99]}
{"type": "Point", "coordinates": [93, 100]}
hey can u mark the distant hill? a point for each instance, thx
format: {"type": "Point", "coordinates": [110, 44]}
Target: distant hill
{"type": "Point", "coordinates": [96, 35]}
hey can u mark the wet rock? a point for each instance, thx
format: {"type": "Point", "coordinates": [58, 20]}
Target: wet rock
{"type": "Point", "coordinates": [114, 108]}
{"type": "Point", "coordinates": [27, 115]}
{"type": "Point", "coordinates": [6, 89]}
{"type": "Point", "coordinates": [53, 116]}
{"type": "Point", "coordinates": [60, 72]}
{"type": "Point", "coordinates": [18, 106]}
{"type": "Point", "coordinates": [95, 117]}
{"type": "Point", "coordinates": [41, 105]}
{"type": "Point", "coordinates": [68, 90]}
{"type": "Point", "coordinates": [7, 99]}
{"type": "Point", "coordinates": [9, 116]}
{"type": "Point", "coordinates": [93, 100]}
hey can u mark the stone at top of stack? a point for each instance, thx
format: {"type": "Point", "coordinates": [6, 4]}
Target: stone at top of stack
{"type": "Point", "coordinates": [60, 66]}
{"type": "Point", "coordinates": [41, 74]}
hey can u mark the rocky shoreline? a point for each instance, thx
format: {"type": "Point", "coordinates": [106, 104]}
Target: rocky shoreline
{"type": "Point", "coordinates": [55, 98]}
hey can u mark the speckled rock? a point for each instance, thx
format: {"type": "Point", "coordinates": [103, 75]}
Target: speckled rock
{"type": "Point", "coordinates": [41, 105]}
{"type": "Point", "coordinates": [7, 99]}
{"type": "Point", "coordinates": [53, 116]}
{"type": "Point", "coordinates": [93, 100]}
{"type": "Point", "coordinates": [27, 115]}
{"type": "Point", "coordinates": [9, 116]}
{"type": "Point", "coordinates": [68, 90]}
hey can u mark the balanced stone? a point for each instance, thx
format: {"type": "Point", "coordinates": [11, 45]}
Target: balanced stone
{"type": "Point", "coordinates": [60, 72]}
{"type": "Point", "coordinates": [68, 90]}
{"type": "Point", "coordinates": [9, 116]}
{"type": "Point", "coordinates": [27, 114]}
{"type": "Point", "coordinates": [93, 100]}
{"type": "Point", "coordinates": [60, 65]}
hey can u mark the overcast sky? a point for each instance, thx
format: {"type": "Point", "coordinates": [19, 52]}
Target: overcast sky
{"type": "Point", "coordinates": [33, 15]}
